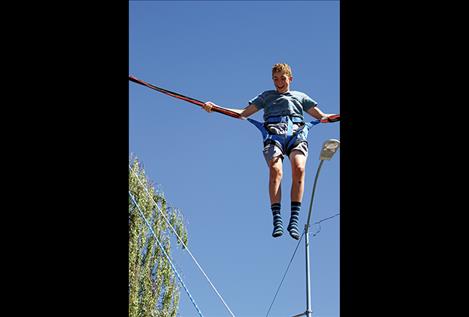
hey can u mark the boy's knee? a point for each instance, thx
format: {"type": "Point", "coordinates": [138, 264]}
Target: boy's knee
{"type": "Point", "coordinates": [299, 170]}
{"type": "Point", "coordinates": [275, 168]}
{"type": "Point", "coordinates": [276, 171]}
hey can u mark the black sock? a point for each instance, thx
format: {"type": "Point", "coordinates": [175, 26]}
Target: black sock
{"type": "Point", "coordinates": [293, 225]}
{"type": "Point", "coordinates": [277, 220]}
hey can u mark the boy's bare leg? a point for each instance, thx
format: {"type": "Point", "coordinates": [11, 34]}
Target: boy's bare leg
{"type": "Point", "coordinates": [298, 163]}
{"type": "Point", "coordinates": [275, 192]}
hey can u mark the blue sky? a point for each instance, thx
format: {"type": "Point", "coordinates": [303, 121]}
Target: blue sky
{"type": "Point", "coordinates": [211, 167]}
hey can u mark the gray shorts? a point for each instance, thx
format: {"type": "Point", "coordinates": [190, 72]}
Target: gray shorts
{"type": "Point", "coordinates": [271, 150]}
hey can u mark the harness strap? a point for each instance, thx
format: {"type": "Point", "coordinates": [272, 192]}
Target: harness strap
{"type": "Point", "coordinates": [285, 119]}
{"type": "Point", "coordinates": [261, 126]}
{"type": "Point", "coordinates": [280, 140]}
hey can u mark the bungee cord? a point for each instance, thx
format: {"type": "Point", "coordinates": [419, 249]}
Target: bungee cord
{"type": "Point", "coordinates": [225, 111]}
{"type": "Point", "coordinates": [185, 98]}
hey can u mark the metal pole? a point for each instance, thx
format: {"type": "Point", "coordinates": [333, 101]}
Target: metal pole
{"type": "Point", "coordinates": [308, 284]}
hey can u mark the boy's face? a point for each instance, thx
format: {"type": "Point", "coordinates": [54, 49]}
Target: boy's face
{"type": "Point", "coordinates": [281, 81]}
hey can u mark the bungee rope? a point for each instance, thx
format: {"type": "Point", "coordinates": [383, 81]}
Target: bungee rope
{"type": "Point", "coordinates": [218, 109]}
{"type": "Point", "coordinates": [185, 98]}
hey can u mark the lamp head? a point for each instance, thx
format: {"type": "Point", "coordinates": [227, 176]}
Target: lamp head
{"type": "Point", "coordinates": [329, 148]}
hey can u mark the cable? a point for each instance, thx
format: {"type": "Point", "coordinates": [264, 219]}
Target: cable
{"type": "Point", "coordinates": [318, 222]}
{"type": "Point", "coordinates": [291, 260]}
{"type": "Point", "coordinates": [166, 255]}
{"type": "Point", "coordinates": [185, 246]}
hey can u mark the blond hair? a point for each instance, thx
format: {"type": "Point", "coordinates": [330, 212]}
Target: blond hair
{"type": "Point", "coordinates": [284, 68]}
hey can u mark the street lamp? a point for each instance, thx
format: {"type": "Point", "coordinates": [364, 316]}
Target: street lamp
{"type": "Point", "coordinates": [328, 150]}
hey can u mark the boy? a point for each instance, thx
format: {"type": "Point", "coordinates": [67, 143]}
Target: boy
{"type": "Point", "coordinates": [284, 122]}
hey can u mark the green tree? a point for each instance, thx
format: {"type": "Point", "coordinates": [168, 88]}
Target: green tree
{"type": "Point", "coordinates": [153, 286]}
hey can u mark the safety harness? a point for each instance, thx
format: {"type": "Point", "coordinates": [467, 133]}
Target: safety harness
{"type": "Point", "coordinates": [279, 130]}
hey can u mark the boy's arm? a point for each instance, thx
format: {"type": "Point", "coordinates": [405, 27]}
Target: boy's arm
{"type": "Point", "coordinates": [317, 113]}
{"type": "Point", "coordinates": [246, 112]}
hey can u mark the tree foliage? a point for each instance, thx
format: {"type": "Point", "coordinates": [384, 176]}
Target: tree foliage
{"type": "Point", "coordinates": [153, 286]}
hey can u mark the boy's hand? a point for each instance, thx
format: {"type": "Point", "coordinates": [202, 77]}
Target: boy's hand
{"type": "Point", "coordinates": [330, 118]}
{"type": "Point", "coordinates": [208, 106]}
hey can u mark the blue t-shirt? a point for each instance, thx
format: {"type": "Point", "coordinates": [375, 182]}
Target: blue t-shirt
{"type": "Point", "coordinates": [290, 103]}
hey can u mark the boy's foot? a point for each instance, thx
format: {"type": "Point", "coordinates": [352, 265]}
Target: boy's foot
{"type": "Point", "coordinates": [278, 230]}
{"type": "Point", "coordinates": [293, 230]}
{"type": "Point", "coordinates": [293, 224]}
